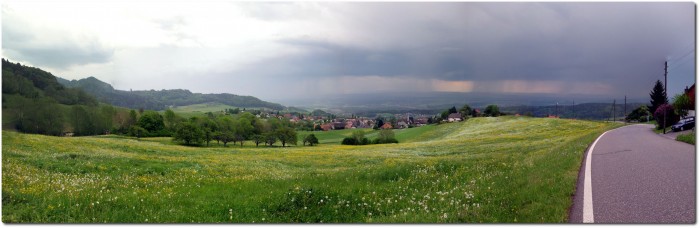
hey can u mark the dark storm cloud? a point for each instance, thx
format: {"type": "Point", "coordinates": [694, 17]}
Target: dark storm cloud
{"type": "Point", "coordinates": [620, 44]}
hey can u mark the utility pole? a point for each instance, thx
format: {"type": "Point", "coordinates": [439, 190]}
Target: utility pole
{"type": "Point", "coordinates": [665, 94]}
{"type": "Point", "coordinates": [573, 114]}
{"type": "Point", "coordinates": [556, 110]}
{"type": "Point", "coordinates": [613, 110]}
{"type": "Point", "coordinates": [625, 113]}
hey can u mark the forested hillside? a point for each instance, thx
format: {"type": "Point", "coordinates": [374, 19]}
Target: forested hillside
{"type": "Point", "coordinates": [34, 102]}
{"type": "Point", "coordinates": [162, 99]}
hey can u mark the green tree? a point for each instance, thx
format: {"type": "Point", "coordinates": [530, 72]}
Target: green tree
{"type": "Point", "coordinates": [170, 120]}
{"type": "Point", "coordinates": [465, 111]}
{"type": "Point", "coordinates": [106, 116]}
{"type": "Point", "coordinates": [492, 110]}
{"type": "Point", "coordinates": [132, 118]}
{"type": "Point", "coordinates": [445, 114]}
{"type": "Point", "coordinates": [226, 132]}
{"type": "Point", "coordinates": [681, 104]}
{"type": "Point", "coordinates": [208, 127]}
{"type": "Point", "coordinates": [82, 120]}
{"type": "Point", "coordinates": [47, 117]}
{"type": "Point", "coordinates": [152, 121]}
{"type": "Point", "coordinates": [270, 138]}
{"type": "Point", "coordinates": [287, 135]}
{"type": "Point", "coordinates": [658, 96]}
{"type": "Point", "coordinates": [189, 133]}
{"type": "Point", "coordinates": [257, 139]}
{"type": "Point", "coordinates": [243, 129]}
{"type": "Point", "coordinates": [310, 139]}
{"type": "Point", "coordinates": [452, 110]}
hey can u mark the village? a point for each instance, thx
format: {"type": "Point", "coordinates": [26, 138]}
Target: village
{"type": "Point", "coordinates": [322, 121]}
{"type": "Point", "coordinates": [332, 122]}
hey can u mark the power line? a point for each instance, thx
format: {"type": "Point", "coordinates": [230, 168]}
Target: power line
{"type": "Point", "coordinates": [678, 60]}
{"type": "Point", "coordinates": [676, 66]}
{"type": "Point", "coordinates": [690, 45]}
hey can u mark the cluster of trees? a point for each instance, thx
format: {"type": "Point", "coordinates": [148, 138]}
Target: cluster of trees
{"type": "Point", "coordinates": [358, 138]}
{"type": "Point", "coordinates": [232, 129]}
{"type": "Point", "coordinates": [467, 111]}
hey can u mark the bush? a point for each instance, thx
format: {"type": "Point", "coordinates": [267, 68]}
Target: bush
{"type": "Point", "coordinates": [349, 141]}
{"type": "Point", "coordinates": [385, 136]}
{"type": "Point", "coordinates": [353, 141]}
{"type": "Point", "coordinates": [365, 141]}
{"type": "Point", "coordinates": [384, 141]}
{"type": "Point", "coordinates": [671, 117]}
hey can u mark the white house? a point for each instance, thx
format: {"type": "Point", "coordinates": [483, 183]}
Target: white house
{"type": "Point", "coordinates": [454, 117]}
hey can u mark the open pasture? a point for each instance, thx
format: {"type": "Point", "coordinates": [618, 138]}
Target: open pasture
{"type": "Point", "coordinates": [484, 170]}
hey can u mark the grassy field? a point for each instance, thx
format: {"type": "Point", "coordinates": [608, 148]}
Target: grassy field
{"type": "Point", "coordinates": [200, 109]}
{"type": "Point", "coordinates": [485, 170]}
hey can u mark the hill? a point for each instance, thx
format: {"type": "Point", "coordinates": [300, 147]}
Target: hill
{"type": "Point", "coordinates": [35, 102]}
{"type": "Point", "coordinates": [161, 99]}
{"type": "Point", "coordinates": [485, 170]}
{"type": "Point", "coordinates": [35, 83]}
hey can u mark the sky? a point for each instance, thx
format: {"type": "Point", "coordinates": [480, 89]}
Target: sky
{"type": "Point", "coordinates": [283, 50]}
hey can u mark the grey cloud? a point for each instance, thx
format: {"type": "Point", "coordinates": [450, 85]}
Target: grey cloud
{"type": "Point", "coordinates": [173, 26]}
{"type": "Point", "coordinates": [23, 42]}
{"type": "Point", "coordinates": [620, 44]}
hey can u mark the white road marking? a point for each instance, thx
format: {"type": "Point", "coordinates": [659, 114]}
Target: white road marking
{"type": "Point", "coordinates": [587, 189]}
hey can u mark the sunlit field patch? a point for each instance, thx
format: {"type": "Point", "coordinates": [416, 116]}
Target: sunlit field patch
{"type": "Point", "coordinates": [484, 170]}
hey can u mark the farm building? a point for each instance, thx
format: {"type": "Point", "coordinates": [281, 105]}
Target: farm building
{"type": "Point", "coordinates": [454, 117]}
{"type": "Point", "coordinates": [386, 126]}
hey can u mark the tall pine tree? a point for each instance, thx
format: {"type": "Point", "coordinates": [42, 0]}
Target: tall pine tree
{"type": "Point", "coordinates": [658, 96]}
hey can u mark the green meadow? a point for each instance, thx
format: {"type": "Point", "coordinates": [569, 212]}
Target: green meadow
{"type": "Point", "coordinates": [199, 109]}
{"type": "Point", "coordinates": [484, 170]}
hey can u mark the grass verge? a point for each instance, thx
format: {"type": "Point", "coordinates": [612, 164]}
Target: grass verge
{"type": "Point", "coordinates": [687, 138]}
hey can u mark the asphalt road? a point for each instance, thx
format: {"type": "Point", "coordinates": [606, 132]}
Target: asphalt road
{"type": "Point", "coordinates": [638, 176]}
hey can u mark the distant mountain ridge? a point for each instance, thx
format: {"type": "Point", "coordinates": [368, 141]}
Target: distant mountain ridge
{"type": "Point", "coordinates": [160, 99]}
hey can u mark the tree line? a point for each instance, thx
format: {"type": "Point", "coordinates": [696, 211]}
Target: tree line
{"type": "Point", "coordinates": [224, 129]}
{"type": "Point", "coordinates": [161, 99]}
{"type": "Point", "coordinates": [467, 111]}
